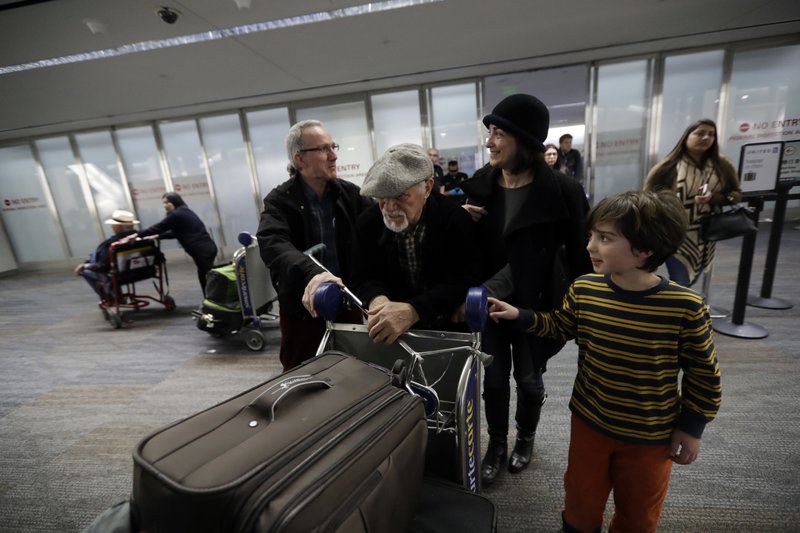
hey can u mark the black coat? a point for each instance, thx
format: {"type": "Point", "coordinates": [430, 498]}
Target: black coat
{"type": "Point", "coordinates": [450, 263]}
{"type": "Point", "coordinates": [551, 219]}
{"type": "Point", "coordinates": [284, 232]}
{"type": "Point", "coordinates": [184, 225]}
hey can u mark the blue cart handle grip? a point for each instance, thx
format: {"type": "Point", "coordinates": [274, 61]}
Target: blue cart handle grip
{"type": "Point", "coordinates": [476, 308]}
{"type": "Point", "coordinates": [328, 300]}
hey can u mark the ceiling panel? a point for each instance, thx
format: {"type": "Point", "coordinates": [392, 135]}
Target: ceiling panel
{"type": "Point", "coordinates": [428, 43]}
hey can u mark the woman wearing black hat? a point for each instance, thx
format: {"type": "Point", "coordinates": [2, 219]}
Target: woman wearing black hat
{"type": "Point", "coordinates": [527, 218]}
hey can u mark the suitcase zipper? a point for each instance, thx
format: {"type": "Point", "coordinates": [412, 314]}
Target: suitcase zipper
{"type": "Point", "coordinates": [302, 446]}
{"type": "Point", "coordinates": [294, 506]}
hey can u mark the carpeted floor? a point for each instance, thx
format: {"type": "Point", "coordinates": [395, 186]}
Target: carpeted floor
{"type": "Point", "coordinates": [76, 396]}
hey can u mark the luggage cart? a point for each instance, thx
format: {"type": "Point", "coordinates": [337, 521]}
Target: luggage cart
{"type": "Point", "coordinates": [131, 262]}
{"type": "Point", "coordinates": [442, 367]}
{"type": "Point", "coordinates": [256, 295]}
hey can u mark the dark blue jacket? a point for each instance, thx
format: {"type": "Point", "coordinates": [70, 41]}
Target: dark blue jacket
{"type": "Point", "coordinates": [182, 224]}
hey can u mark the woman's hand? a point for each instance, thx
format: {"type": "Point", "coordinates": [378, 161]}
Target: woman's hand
{"type": "Point", "coordinates": [475, 211]}
{"type": "Point", "coordinates": [459, 315]}
{"type": "Point", "coordinates": [704, 198]}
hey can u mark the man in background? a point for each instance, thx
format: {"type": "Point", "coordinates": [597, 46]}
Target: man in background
{"type": "Point", "coordinates": [438, 172]}
{"type": "Point", "coordinates": [571, 157]}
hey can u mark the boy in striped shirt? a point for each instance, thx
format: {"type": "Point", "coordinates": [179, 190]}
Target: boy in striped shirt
{"type": "Point", "coordinates": [637, 334]}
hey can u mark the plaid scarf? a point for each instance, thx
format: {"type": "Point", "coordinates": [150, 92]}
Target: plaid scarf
{"type": "Point", "coordinates": [409, 244]}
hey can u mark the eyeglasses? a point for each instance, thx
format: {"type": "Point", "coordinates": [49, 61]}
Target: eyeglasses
{"type": "Point", "coordinates": [326, 148]}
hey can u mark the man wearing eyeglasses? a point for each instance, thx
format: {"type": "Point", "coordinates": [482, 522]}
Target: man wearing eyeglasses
{"type": "Point", "coordinates": [311, 207]}
{"type": "Point", "coordinates": [415, 252]}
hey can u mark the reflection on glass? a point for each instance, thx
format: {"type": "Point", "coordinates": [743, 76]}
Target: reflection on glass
{"type": "Point", "coordinates": [395, 119]}
{"type": "Point", "coordinates": [58, 162]}
{"type": "Point", "coordinates": [26, 214]}
{"type": "Point", "coordinates": [230, 173]}
{"type": "Point", "coordinates": [102, 173]}
{"type": "Point", "coordinates": [621, 119]}
{"type": "Point", "coordinates": [187, 169]}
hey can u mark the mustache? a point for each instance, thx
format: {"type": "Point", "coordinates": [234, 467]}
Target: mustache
{"type": "Point", "coordinates": [393, 213]}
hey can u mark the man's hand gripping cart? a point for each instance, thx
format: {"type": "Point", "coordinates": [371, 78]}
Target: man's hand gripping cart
{"type": "Point", "coordinates": [442, 367]}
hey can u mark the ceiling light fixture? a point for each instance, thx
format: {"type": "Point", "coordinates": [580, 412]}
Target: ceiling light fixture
{"type": "Point", "coordinates": [144, 46]}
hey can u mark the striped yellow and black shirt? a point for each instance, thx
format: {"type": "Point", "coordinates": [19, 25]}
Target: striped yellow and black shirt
{"type": "Point", "coordinates": [632, 347]}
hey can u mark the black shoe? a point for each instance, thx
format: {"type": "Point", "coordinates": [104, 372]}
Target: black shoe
{"type": "Point", "coordinates": [496, 455]}
{"type": "Point", "coordinates": [521, 456]}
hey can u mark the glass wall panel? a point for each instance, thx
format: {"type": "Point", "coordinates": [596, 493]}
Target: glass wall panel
{"type": "Point", "coordinates": [230, 174]}
{"type": "Point", "coordinates": [455, 125]}
{"type": "Point", "coordinates": [396, 119]}
{"type": "Point", "coordinates": [562, 90]}
{"type": "Point", "coordinates": [188, 172]}
{"type": "Point", "coordinates": [347, 124]}
{"type": "Point", "coordinates": [82, 230]}
{"type": "Point", "coordinates": [621, 121]}
{"type": "Point", "coordinates": [27, 217]}
{"type": "Point", "coordinates": [763, 104]}
{"type": "Point", "coordinates": [690, 92]}
{"type": "Point", "coordinates": [102, 173]}
{"type": "Point", "coordinates": [139, 155]}
{"type": "Point", "coordinates": [268, 128]}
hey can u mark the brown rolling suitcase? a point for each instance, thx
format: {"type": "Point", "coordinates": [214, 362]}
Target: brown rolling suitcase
{"type": "Point", "coordinates": [328, 446]}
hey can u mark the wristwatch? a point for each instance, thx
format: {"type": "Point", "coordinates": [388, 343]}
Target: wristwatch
{"type": "Point", "coordinates": [731, 198]}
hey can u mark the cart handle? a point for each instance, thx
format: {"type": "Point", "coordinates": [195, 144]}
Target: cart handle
{"type": "Point", "coordinates": [476, 308]}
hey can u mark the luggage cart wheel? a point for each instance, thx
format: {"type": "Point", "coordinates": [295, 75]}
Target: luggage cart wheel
{"type": "Point", "coordinates": [115, 320]}
{"type": "Point", "coordinates": [255, 340]}
{"type": "Point", "coordinates": [169, 303]}
{"type": "Point", "coordinates": [399, 374]}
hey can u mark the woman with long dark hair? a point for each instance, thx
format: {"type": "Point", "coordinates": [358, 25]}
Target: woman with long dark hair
{"type": "Point", "coordinates": [183, 224]}
{"type": "Point", "coordinates": [527, 217]}
{"type": "Point", "coordinates": [703, 180]}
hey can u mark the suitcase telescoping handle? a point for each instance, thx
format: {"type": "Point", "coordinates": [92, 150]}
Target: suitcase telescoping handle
{"type": "Point", "coordinates": [268, 401]}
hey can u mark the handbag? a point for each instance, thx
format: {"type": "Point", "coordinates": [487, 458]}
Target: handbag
{"type": "Point", "coordinates": [721, 225]}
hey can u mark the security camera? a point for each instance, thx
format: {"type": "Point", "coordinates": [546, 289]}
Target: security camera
{"type": "Point", "coordinates": [167, 14]}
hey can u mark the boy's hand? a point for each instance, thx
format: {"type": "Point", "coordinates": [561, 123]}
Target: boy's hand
{"type": "Point", "coordinates": [499, 309]}
{"type": "Point", "coordinates": [684, 448]}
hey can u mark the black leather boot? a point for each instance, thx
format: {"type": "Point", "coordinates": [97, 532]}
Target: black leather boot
{"type": "Point", "coordinates": [523, 447]}
{"type": "Point", "coordinates": [521, 456]}
{"type": "Point", "coordinates": [493, 461]}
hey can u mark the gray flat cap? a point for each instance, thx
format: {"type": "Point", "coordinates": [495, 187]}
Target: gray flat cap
{"type": "Point", "coordinates": [402, 166]}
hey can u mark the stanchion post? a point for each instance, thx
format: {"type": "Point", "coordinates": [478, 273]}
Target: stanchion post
{"type": "Point", "coordinates": [736, 326]}
{"type": "Point", "coordinates": [765, 300]}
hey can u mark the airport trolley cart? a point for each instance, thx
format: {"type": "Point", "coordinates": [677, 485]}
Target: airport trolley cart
{"type": "Point", "coordinates": [442, 367]}
{"type": "Point", "coordinates": [255, 299]}
{"type": "Point", "coordinates": [132, 262]}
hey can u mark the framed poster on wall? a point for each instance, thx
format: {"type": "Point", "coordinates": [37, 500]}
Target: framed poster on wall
{"type": "Point", "coordinates": [760, 166]}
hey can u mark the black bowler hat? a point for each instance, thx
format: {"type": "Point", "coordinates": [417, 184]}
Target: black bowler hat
{"type": "Point", "coordinates": [523, 116]}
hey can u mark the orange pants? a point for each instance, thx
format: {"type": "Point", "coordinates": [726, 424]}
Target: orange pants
{"type": "Point", "coordinates": [637, 473]}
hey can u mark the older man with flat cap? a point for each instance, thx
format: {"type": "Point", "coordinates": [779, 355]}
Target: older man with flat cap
{"type": "Point", "coordinates": [415, 252]}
